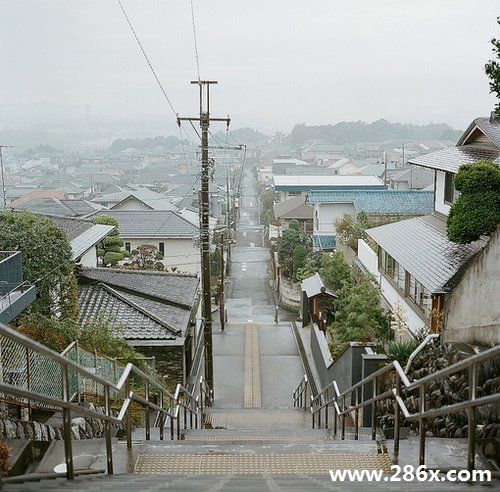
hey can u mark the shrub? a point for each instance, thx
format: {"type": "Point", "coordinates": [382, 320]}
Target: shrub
{"type": "Point", "coordinates": [4, 458]}
{"type": "Point", "coordinates": [401, 350]}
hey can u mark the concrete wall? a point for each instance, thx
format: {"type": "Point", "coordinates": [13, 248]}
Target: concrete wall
{"type": "Point", "coordinates": [89, 259]}
{"type": "Point", "coordinates": [346, 369]}
{"type": "Point", "coordinates": [472, 311]}
{"type": "Point", "coordinates": [289, 295]}
{"type": "Point", "coordinates": [368, 258]}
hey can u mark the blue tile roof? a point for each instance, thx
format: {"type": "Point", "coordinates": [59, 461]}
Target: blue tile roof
{"type": "Point", "coordinates": [324, 242]}
{"type": "Point", "coordinates": [379, 201]}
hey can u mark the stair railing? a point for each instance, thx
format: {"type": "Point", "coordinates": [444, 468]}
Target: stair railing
{"type": "Point", "coordinates": [187, 405]}
{"type": "Point", "coordinates": [56, 391]}
{"type": "Point", "coordinates": [206, 394]}
{"type": "Point", "coordinates": [300, 394]}
{"type": "Point", "coordinates": [349, 402]}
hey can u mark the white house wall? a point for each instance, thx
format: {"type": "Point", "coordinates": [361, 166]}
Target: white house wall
{"type": "Point", "coordinates": [89, 259]}
{"type": "Point", "coordinates": [415, 322]}
{"type": "Point", "coordinates": [330, 212]}
{"type": "Point", "coordinates": [439, 204]}
{"type": "Point", "coordinates": [179, 252]}
{"type": "Point", "coordinates": [368, 258]}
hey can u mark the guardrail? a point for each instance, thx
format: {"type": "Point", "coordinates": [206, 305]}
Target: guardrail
{"type": "Point", "coordinates": [300, 394]}
{"type": "Point", "coordinates": [350, 401]}
{"type": "Point", "coordinates": [58, 392]}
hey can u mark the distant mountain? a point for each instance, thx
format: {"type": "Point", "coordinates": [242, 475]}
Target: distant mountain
{"type": "Point", "coordinates": [351, 132]}
{"type": "Point", "coordinates": [144, 144]}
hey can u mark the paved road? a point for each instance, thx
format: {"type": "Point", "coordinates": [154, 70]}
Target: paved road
{"type": "Point", "coordinates": [256, 363]}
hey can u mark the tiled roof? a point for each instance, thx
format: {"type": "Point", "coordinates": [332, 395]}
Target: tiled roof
{"type": "Point", "coordinates": [152, 223]}
{"type": "Point", "coordinates": [37, 194]}
{"type": "Point", "coordinates": [314, 285]}
{"type": "Point", "coordinates": [321, 242]}
{"type": "Point", "coordinates": [451, 158]}
{"type": "Point", "coordinates": [89, 238]}
{"type": "Point", "coordinates": [423, 249]}
{"type": "Point", "coordinates": [174, 288]}
{"type": "Point", "coordinates": [71, 226]}
{"type": "Point", "coordinates": [490, 128]}
{"type": "Point", "coordinates": [379, 201]}
{"type": "Point", "coordinates": [293, 206]}
{"type": "Point", "coordinates": [54, 206]}
{"type": "Point", "coordinates": [130, 319]}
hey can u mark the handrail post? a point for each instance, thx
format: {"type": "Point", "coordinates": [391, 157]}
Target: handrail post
{"type": "Point", "coordinates": [129, 416]}
{"type": "Point", "coordinates": [68, 449]}
{"type": "Point", "coordinates": [146, 396]}
{"type": "Point", "coordinates": [78, 377]}
{"type": "Point", "coordinates": [335, 415]}
{"type": "Point", "coordinates": [107, 426]}
{"type": "Point", "coordinates": [471, 452]}
{"type": "Point", "coordinates": [343, 418]}
{"type": "Point", "coordinates": [162, 417]}
{"type": "Point", "coordinates": [374, 410]}
{"type": "Point", "coordinates": [201, 393]}
{"type": "Point", "coordinates": [357, 393]}
{"type": "Point", "coordinates": [95, 369]}
{"type": "Point", "coordinates": [397, 420]}
{"type": "Point", "coordinates": [171, 410]}
{"type": "Point", "coordinates": [421, 427]}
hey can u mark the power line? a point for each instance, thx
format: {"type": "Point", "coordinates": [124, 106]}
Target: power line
{"type": "Point", "coordinates": [146, 57]}
{"type": "Point", "coordinates": [195, 42]}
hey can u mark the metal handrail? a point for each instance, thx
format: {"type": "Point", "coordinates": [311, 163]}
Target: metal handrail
{"type": "Point", "coordinates": [206, 394]}
{"type": "Point", "coordinates": [424, 343]}
{"type": "Point", "coordinates": [180, 400]}
{"type": "Point", "coordinates": [300, 393]}
{"type": "Point", "coordinates": [331, 396]}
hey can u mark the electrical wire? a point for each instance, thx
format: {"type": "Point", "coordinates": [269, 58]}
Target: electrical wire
{"type": "Point", "coordinates": [195, 42]}
{"type": "Point", "coordinates": [147, 58]}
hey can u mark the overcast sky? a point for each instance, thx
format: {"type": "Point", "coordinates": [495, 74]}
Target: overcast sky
{"type": "Point", "coordinates": [67, 63]}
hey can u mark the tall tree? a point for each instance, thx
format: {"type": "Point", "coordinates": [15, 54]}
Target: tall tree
{"type": "Point", "coordinates": [492, 69]}
{"type": "Point", "coordinates": [46, 254]}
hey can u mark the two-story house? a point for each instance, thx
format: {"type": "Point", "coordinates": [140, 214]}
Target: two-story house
{"type": "Point", "coordinates": [436, 283]}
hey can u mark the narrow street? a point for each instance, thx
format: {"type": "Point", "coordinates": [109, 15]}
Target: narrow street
{"type": "Point", "coordinates": [256, 362]}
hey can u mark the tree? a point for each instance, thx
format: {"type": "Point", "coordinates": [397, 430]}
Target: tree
{"type": "Point", "coordinates": [350, 229]}
{"type": "Point", "coordinates": [298, 258]}
{"type": "Point", "coordinates": [359, 316]}
{"type": "Point", "coordinates": [492, 69]}
{"type": "Point", "coordinates": [146, 257]}
{"type": "Point", "coordinates": [476, 211]}
{"type": "Point", "coordinates": [109, 250]}
{"type": "Point", "coordinates": [46, 254]}
{"type": "Point", "coordinates": [289, 240]}
{"type": "Point", "coordinates": [334, 270]}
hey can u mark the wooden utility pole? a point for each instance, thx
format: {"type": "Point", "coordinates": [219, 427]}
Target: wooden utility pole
{"type": "Point", "coordinates": [222, 298]}
{"type": "Point", "coordinates": [4, 191]}
{"type": "Point", "coordinates": [204, 205]}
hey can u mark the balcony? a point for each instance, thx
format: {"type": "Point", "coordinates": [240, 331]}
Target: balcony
{"type": "Point", "coordinates": [15, 294]}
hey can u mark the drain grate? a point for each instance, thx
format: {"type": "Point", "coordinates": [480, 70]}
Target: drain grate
{"type": "Point", "coordinates": [221, 464]}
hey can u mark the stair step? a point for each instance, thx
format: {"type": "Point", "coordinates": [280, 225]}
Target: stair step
{"type": "Point", "coordinates": [252, 435]}
{"type": "Point", "coordinates": [244, 463]}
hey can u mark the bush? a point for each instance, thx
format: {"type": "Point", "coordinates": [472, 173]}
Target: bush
{"type": "Point", "coordinates": [4, 458]}
{"type": "Point", "coordinates": [476, 211]}
{"type": "Point", "coordinates": [401, 350]}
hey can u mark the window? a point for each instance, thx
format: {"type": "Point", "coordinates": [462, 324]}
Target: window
{"type": "Point", "coordinates": [127, 247]}
{"type": "Point", "coordinates": [450, 193]}
{"type": "Point", "coordinates": [420, 295]}
{"type": "Point", "coordinates": [161, 248]}
{"type": "Point", "coordinates": [393, 269]}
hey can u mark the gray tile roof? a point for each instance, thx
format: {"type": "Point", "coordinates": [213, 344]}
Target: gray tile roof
{"type": "Point", "coordinates": [152, 223]}
{"type": "Point", "coordinates": [379, 201]}
{"type": "Point", "coordinates": [174, 288]}
{"type": "Point", "coordinates": [293, 208]}
{"type": "Point", "coordinates": [71, 226]}
{"type": "Point", "coordinates": [131, 320]}
{"type": "Point", "coordinates": [314, 285]}
{"type": "Point", "coordinates": [451, 158]}
{"type": "Point", "coordinates": [421, 246]}
{"type": "Point", "coordinates": [490, 128]}
{"type": "Point", "coordinates": [55, 206]}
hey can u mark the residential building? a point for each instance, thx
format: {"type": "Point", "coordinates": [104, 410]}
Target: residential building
{"type": "Point", "coordinates": [288, 186]}
{"type": "Point", "coordinates": [295, 208]}
{"type": "Point", "coordinates": [431, 281]}
{"type": "Point", "coordinates": [172, 233]}
{"type": "Point", "coordinates": [156, 312]}
{"type": "Point", "coordinates": [379, 205]}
